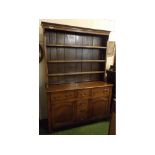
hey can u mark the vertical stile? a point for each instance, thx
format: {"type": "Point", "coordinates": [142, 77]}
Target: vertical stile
{"type": "Point", "coordinates": [46, 59]}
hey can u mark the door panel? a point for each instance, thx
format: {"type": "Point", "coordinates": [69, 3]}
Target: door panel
{"type": "Point", "coordinates": [62, 113]}
{"type": "Point", "coordinates": [100, 108]}
{"type": "Point", "coordinates": [82, 110]}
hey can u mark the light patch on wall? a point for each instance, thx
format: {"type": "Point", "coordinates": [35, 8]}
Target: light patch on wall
{"type": "Point", "coordinates": [111, 50]}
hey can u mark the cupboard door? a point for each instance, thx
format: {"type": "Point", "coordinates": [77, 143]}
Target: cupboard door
{"type": "Point", "coordinates": [82, 110]}
{"type": "Point", "coordinates": [100, 108]}
{"type": "Point", "coordinates": [62, 113]}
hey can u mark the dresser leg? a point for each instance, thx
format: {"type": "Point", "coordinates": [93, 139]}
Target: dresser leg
{"type": "Point", "coordinates": [49, 126]}
{"type": "Point", "coordinates": [50, 130]}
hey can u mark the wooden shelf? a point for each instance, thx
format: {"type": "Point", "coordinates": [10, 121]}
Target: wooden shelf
{"type": "Point", "coordinates": [76, 73]}
{"type": "Point", "coordinates": [76, 46]}
{"type": "Point", "coordinates": [68, 61]}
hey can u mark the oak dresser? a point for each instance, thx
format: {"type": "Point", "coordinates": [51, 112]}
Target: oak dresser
{"type": "Point", "coordinates": [75, 75]}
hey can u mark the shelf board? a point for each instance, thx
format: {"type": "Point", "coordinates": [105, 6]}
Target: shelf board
{"type": "Point", "coordinates": [76, 46]}
{"type": "Point", "coordinates": [76, 73]}
{"type": "Point", "coordinates": [67, 61]}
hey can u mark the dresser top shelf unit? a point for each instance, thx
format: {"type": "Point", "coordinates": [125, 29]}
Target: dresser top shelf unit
{"type": "Point", "coordinates": [74, 54]}
{"type": "Point", "coordinates": [75, 86]}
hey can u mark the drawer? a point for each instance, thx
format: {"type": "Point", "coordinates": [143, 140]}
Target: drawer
{"type": "Point", "coordinates": [65, 95]}
{"type": "Point", "coordinates": [85, 93]}
{"type": "Point", "coordinates": [100, 92]}
{"type": "Point", "coordinates": [100, 99]}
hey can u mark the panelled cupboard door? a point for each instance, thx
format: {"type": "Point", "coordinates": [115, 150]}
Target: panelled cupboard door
{"type": "Point", "coordinates": [82, 110]}
{"type": "Point", "coordinates": [100, 108]}
{"type": "Point", "coordinates": [62, 113]}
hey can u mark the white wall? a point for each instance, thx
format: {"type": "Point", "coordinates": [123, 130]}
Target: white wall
{"type": "Point", "coordinates": [95, 24]}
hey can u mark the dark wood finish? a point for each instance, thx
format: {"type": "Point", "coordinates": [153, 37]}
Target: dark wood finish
{"type": "Point", "coordinates": [45, 38]}
{"type": "Point", "coordinates": [77, 86]}
{"type": "Point", "coordinates": [67, 61]}
{"type": "Point", "coordinates": [100, 107]}
{"type": "Point", "coordinates": [63, 95]}
{"type": "Point", "coordinates": [78, 102]}
{"type": "Point", "coordinates": [112, 127]}
{"type": "Point", "coordinates": [72, 53]}
{"type": "Point", "coordinates": [97, 92]}
{"type": "Point", "coordinates": [62, 113]}
{"type": "Point", "coordinates": [76, 46]}
{"type": "Point", "coordinates": [84, 93]}
{"type": "Point", "coordinates": [111, 78]}
{"type": "Point", "coordinates": [49, 112]}
{"type": "Point", "coordinates": [82, 110]}
{"type": "Point", "coordinates": [75, 71]}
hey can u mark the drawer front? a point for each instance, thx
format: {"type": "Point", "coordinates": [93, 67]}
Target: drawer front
{"type": "Point", "coordinates": [101, 92]}
{"type": "Point", "coordinates": [85, 93]}
{"type": "Point", "coordinates": [63, 95]}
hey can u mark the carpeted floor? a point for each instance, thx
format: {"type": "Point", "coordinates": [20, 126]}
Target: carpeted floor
{"type": "Point", "coordinates": [100, 128]}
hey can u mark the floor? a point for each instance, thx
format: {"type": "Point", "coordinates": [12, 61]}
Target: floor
{"type": "Point", "coordinates": [99, 128]}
